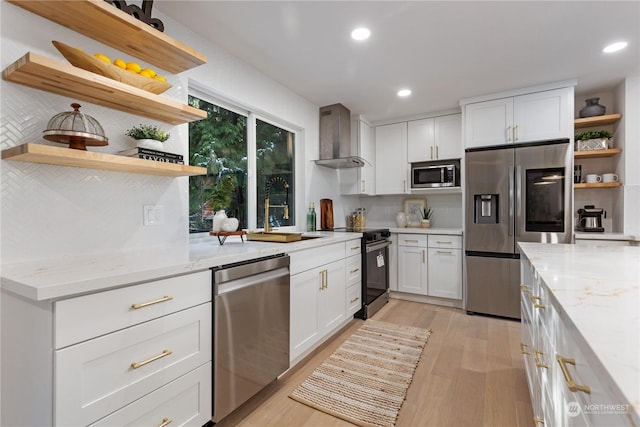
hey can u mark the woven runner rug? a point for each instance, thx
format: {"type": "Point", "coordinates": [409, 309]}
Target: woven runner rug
{"type": "Point", "coordinates": [365, 380]}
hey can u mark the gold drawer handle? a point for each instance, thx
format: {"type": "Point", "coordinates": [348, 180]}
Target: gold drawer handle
{"type": "Point", "coordinates": [567, 376]}
{"type": "Point", "coordinates": [536, 301]}
{"type": "Point", "coordinates": [523, 347]}
{"type": "Point", "coordinates": [411, 241]}
{"type": "Point", "coordinates": [146, 304]}
{"type": "Point", "coordinates": [537, 421]}
{"type": "Point", "coordinates": [354, 300]}
{"type": "Point", "coordinates": [165, 422]}
{"type": "Point", "coordinates": [444, 252]}
{"type": "Point", "coordinates": [355, 270]}
{"type": "Point", "coordinates": [448, 243]}
{"type": "Point", "coordinates": [353, 248]}
{"type": "Point", "coordinates": [165, 353]}
{"type": "Point", "coordinates": [539, 363]}
{"type": "Point", "coordinates": [525, 288]}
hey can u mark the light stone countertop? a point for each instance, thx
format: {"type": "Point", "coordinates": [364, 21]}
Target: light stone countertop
{"type": "Point", "coordinates": [418, 230]}
{"type": "Point", "coordinates": [605, 236]}
{"type": "Point", "coordinates": [599, 293]}
{"type": "Point", "coordinates": [62, 278]}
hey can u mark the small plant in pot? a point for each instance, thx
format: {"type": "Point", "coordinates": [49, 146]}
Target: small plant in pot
{"type": "Point", "coordinates": [593, 140]}
{"type": "Point", "coordinates": [426, 218]}
{"type": "Point", "coordinates": [148, 136]}
{"type": "Point", "coordinates": [220, 199]}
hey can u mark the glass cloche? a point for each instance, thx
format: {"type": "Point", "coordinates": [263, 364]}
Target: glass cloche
{"type": "Point", "coordinates": [76, 129]}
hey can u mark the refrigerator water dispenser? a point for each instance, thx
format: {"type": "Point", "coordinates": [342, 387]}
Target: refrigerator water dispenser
{"type": "Point", "coordinates": [486, 208]}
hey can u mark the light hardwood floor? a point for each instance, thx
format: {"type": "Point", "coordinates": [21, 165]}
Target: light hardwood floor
{"type": "Point", "coordinates": [471, 374]}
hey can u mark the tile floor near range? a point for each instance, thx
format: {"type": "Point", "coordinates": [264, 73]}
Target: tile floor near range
{"type": "Point", "coordinates": [471, 374]}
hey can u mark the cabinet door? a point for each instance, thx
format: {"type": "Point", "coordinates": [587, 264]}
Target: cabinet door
{"type": "Point", "coordinates": [304, 323]}
{"type": "Point", "coordinates": [355, 181]}
{"type": "Point", "coordinates": [543, 115]}
{"type": "Point", "coordinates": [412, 270]}
{"type": "Point", "coordinates": [445, 273]}
{"type": "Point", "coordinates": [391, 158]}
{"type": "Point", "coordinates": [448, 137]}
{"type": "Point", "coordinates": [420, 141]}
{"type": "Point", "coordinates": [332, 296]}
{"type": "Point", "coordinates": [488, 123]}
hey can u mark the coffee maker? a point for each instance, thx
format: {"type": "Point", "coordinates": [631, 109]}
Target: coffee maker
{"type": "Point", "coordinates": [590, 219]}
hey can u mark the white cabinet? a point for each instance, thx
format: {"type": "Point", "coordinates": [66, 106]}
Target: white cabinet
{"type": "Point", "coordinates": [391, 158]}
{"type": "Point", "coordinates": [412, 270]}
{"type": "Point", "coordinates": [436, 138]}
{"type": "Point", "coordinates": [318, 295]}
{"type": "Point", "coordinates": [362, 180]}
{"type": "Point", "coordinates": [536, 116]}
{"type": "Point", "coordinates": [353, 277]}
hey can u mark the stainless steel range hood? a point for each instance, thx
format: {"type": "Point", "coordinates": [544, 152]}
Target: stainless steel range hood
{"type": "Point", "coordinates": [337, 149]}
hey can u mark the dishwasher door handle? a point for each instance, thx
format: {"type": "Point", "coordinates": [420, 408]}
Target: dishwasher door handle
{"type": "Point", "coordinates": [256, 279]}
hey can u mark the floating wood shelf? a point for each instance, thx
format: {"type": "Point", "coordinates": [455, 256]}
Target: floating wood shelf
{"type": "Point", "coordinates": [107, 24]}
{"type": "Point", "coordinates": [597, 185]}
{"type": "Point", "coordinates": [39, 153]}
{"type": "Point", "coordinates": [588, 122]}
{"type": "Point", "coordinates": [594, 154]}
{"type": "Point", "coordinates": [44, 73]}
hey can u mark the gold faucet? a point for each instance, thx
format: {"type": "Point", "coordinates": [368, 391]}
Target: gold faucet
{"type": "Point", "coordinates": [267, 205]}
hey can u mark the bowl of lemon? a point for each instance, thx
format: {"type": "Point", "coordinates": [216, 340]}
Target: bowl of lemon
{"type": "Point", "coordinates": [130, 73]}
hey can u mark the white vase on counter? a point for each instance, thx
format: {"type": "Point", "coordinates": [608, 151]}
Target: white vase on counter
{"type": "Point", "coordinates": [230, 224]}
{"type": "Point", "coordinates": [218, 220]}
{"type": "Point", "coordinates": [401, 219]}
{"type": "Point", "coordinates": [150, 144]}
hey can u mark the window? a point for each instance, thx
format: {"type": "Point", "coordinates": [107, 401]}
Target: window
{"type": "Point", "coordinates": [224, 143]}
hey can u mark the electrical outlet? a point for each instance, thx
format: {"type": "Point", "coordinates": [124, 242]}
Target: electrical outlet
{"type": "Point", "coordinates": [152, 215]}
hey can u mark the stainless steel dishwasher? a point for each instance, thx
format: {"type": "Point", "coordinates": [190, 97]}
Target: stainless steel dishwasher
{"type": "Point", "coordinates": [251, 330]}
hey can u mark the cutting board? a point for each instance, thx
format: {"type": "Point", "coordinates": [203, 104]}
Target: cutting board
{"type": "Point", "coordinates": [326, 214]}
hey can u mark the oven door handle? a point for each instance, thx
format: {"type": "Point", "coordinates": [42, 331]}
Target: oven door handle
{"type": "Point", "coordinates": [378, 245]}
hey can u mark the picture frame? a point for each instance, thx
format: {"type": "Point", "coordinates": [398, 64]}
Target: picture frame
{"type": "Point", "coordinates": [413, 209]}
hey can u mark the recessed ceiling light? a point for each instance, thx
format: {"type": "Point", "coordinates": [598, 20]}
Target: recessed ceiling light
{"type": "Point", "coordinates": [614, 47]}
{"type": "Point", "coordinates": [404, 92]}
{"type": "Point", "coordinates": [360, 33]}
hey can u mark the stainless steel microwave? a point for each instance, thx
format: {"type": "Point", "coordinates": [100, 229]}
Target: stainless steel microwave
{"type": "Point", "coordinates": [433, 176]}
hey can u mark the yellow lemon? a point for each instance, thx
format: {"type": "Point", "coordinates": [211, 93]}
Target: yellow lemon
{"type": "Point", "coordinates": [133, 67]}
{"type": "Point", "coordinates": [162, 79]}
{"type": "Point", "coordinates": [150, 71]}
{"type": "Point", "coordinates": [120, 63]}
{"type": "Point", "coordinates": [146, 73]}
{"type": "Point", "coordinates": [103, 57]}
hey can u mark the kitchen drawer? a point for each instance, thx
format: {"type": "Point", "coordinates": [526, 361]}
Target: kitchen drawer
{"type": "Point", "coordinates": [354, 269]}
{"type": "Point", "coordinates": [353, 247]}
{"type": "Point", "coordinates": [354, 301]}
{"type": "Point", "coordinates": [419, 240]}
{"type": "Point", "coordinates": [445, 241]}
{"type": "Point", "coordinates": [88, 316]}
{"type": "Point", "coordinates": [311, 258]}
{"type": "Point", "coordinates": [183, 402]}
{"type": "Point", "coordinates": [97, 377]}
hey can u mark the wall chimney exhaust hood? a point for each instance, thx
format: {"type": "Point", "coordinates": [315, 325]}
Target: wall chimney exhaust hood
{"type": "Point", "coordinates": [337, 148]}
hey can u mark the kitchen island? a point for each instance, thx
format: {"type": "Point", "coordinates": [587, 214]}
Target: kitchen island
{"type": "Point", "coordinates": [581, 333]}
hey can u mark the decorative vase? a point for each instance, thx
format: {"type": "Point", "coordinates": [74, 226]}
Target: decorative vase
{"type": "Point", "coordinates": [218, 220]}
{"type": "Point", "coordinates": [230, 224]}
{"type": "Point", "coordinates": [425, 223]}
{"type": "Point", "coordinates": [401, 219]}
{"type": "Point", "coordinates": [593, 108]}
{"type": "Point", "coordinates": [150, 144]}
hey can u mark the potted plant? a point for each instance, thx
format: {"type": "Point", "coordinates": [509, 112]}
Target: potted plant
{"type": "Point", "coordinates": [148, 136]}
{"type": "Point", "coordinates": [593, 140]}
{"type": "Point", "coordinates": [426, 218]}
{"type": "Point", "coordinates": [220, 199]}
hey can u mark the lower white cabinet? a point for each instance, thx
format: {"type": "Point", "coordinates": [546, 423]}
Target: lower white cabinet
{"type": "Point", "coordinates": [353, 273]}
{"type": "Point", "coordinates": [412, 270]}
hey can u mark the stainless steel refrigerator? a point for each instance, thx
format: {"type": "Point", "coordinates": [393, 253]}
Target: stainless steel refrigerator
{"type": "Point", "coordinates": [512, 194]}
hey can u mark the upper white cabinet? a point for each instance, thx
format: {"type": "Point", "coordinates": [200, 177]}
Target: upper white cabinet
{"type": "Point", "coordinates": [537, 116]}
{"type": "Point", "coordinates": [435, 138]}
{"type": "Point", "coordinates": [355, 181]}
{"type": "Point", "coordinates": [391, 158]}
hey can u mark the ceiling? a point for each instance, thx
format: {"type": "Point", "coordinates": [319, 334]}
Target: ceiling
{"type": "Point", "coordinates": [442, 50]}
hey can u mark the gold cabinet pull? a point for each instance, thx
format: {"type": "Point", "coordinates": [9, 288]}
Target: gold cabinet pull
{"type": "Point", "coordinates": [404, 185]}
{"type": "Point", "coordinates": [410, 241]}
{"type": "Point", "coordinates": [165, 353]}
{"type": "Point", "coordinates": [509, 133]}
{"type": "Point", "coordinates": [431, 152]}
{"type": "Point", "coordinates": [444, 252]}
{"type": "Point", "coordinates": [515, 133]}
{"type": "Point", "coordinates": [355, 270]}
{"type": "Point", "coordinates": [537, 420]}
{"type": "Point", "coordinates": [524, 288]}
{"type": "Point", "coordinates": [536, 301]}
{"type": "Point", "coordinates": [165, 422]}
{"type": "Point", "coordinates": [353, 248]}
{"type": "Point", "coordinates": [321, 279]}
{"type": "Point", "coordinates": [539, 363]}
{"type": "Point", "coordinates": [437, 155]}
{"type": "Point", "coordinates": [444, 242]}
{"type": "Point", "coordinates": [147, 304]}
{"type": "Point", "coordinates": [354, 300]}
{"type": "Point", "coordinates": [424, 256]}
{"type": "Point", "coordinates": [523, 347]}
{"type": "Point", "coordinates": [567, 376]}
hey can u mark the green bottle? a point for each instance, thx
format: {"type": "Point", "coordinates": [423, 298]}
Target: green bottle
{"type": "Point", "coordinates": [311, 218]}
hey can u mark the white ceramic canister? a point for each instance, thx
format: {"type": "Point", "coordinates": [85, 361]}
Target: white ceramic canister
{"type": "Point", "coordinates": [230, 224]}
{"type": "Point", "coordinates": [218, 219]}
{"type": "Point", "coordinates": [401, 219]}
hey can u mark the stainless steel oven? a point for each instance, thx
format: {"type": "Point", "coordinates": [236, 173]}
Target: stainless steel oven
{"type": "Point", "coordinates": [375, 271]}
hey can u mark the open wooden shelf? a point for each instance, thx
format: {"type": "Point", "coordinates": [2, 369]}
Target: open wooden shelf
{"type": "Point", "coordinates": [597, 185]}
{"type": "Point", "coordinates": [62, 156]}
{"type": "Point", "coordinates": [588, 122]}
{"type": "Point", "coordinates": [107, 24]}
{"type": "Point", "coordinates": [593, 154]}
{"type": "Point", "coordinates": [44, 73]}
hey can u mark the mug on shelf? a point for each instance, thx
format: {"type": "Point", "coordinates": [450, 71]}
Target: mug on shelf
{"type": "Point", "coordinates": [593, 178]}
{"type": "Point", "coordinates": [610, 177]}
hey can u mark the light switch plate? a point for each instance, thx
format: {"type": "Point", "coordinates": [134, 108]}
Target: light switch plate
{"type": "Point", "coordinates": [152, 215]}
